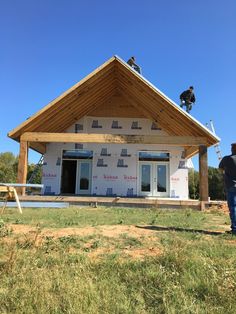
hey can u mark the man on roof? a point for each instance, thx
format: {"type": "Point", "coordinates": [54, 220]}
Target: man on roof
{"type": "Point", "coordinates": [187, 98]}
{"type": "Point", "coordinates": [133, 65]}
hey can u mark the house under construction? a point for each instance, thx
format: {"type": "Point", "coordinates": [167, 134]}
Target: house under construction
{"type": "Point", "coordinates": [115, 134]}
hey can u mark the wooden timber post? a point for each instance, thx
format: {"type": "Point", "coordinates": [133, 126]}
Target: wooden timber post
{"type": "Point", "coordinates": [203, 176]}
{"type": "Point", "coordinates": [22, 166]}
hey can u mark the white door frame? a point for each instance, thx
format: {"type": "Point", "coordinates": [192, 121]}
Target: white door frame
{"type": "Point", "coordinates": [78, 174]}
{"type": "Point", "coordinates": [153, 178]}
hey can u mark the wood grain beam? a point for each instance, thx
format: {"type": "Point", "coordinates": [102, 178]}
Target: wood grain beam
{"type": "Point", "coordinates": [22, 165]}
{"type": "Point", "coordinates": [112, 138]}
{"type": "Point", "coordinates": [203, 173]}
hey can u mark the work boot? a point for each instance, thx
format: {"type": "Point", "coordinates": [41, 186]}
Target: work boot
{"type": "Point", "coordinates": [233, 232]}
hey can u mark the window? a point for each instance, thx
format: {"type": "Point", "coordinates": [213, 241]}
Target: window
{"type": "Point", "coordinates": [77, 154]}
{"type": "Point", "coordinates": [154, 156]}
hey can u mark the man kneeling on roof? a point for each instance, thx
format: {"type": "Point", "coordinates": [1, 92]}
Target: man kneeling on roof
{"type": "Point", "coordinates": [133, 65]}
{"type": "Point", "coordinates": [187, 98]}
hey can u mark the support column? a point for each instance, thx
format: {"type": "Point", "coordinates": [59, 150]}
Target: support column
{"type": "Point", "coordinates": [203, 175]}
{"type": "Point", "coordinates": [22, 166]}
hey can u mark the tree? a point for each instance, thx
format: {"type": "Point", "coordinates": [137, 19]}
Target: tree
{"type": "Point", "coordinates": [216, 184]}
{"type": "Point", "coordinates": [193, 184]}
{"type": "Point", "coordinates": [8, 167]}
{"type": "Point", "coordinates": [34, 173]}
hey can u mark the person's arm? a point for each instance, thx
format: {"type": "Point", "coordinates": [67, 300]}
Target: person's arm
{"type": "Point", "coordinates": [193, 99]}
{"type": "Point", "coordinates": [221, 165]}
{"type": "Point", "coordinates": [182, 96]}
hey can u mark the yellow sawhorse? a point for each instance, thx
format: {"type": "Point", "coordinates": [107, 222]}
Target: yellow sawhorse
{"type": "Point", "coordinates": [10, 193]}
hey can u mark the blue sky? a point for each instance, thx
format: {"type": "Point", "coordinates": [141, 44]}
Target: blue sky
{"type": "Point", "coordinates": [49, 45]}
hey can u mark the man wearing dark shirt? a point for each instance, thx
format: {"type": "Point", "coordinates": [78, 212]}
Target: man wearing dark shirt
{"type": "Point", "coordinates": [133, 65]}
{"type": "Point", "coordinates": [228, 165]}
{"type": "Point", "coordinates": [187, 98]}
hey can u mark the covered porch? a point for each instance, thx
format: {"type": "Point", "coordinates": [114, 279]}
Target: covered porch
{"type": "Point", "coordinates": [199, 143]}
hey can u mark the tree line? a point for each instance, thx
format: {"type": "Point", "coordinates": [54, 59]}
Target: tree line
{"type": "Point", "coordinates": [8, 169]}
{"type": "Point", "coordinates": [9, 164]}
{"type": "Point", "coordinates": [215, 184]}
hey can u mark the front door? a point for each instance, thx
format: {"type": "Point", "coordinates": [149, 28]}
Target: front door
{"type": "Point", "coordinates": [154, 179]}
{"type": "Point", "coordinates": [83, 186]}
{"type": "Point", "coordinates": [68, 176]}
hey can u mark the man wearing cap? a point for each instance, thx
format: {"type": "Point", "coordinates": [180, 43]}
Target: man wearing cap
{"type": "Point", "coordinates": [187, 98]}
{"type": "Point", "coordinates": [228, 165]}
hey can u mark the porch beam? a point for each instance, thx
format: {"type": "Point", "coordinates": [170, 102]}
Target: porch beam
{"type": "Point", "coordinates": [112, 138]}
{"type": "Point", "coordinates": [22, 166]}
{"type": "Point", "coordinates": [203, 174]}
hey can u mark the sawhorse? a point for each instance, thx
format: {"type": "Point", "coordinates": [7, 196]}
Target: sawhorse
{"type": "Point", "coordinates": [11, 193]}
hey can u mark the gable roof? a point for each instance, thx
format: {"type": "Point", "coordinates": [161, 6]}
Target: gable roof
{"type": "Point", "coordinates": [114, 77]}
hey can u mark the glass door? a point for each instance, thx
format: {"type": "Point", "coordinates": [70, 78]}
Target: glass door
{"type": "Point", "coordinates": [145, 179]}
{"type": "Point", "coordinates": [154, 179]}
{"type": "Point", "coordinates": [161, 186]}
{"type": "Point", "coordinates": [83, 177]}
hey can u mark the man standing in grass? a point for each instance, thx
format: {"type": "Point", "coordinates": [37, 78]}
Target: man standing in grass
{"type": "Point", "coordinates": [228, 165]}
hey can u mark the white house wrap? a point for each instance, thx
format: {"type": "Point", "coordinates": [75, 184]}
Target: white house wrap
{"type": "Point", "coordinates": [115, 134]}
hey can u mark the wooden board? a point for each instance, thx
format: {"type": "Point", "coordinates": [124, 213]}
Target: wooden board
{"type": "Point", "coordinates": [112, 138]}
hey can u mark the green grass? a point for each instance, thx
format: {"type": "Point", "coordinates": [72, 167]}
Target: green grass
{"type": "Point", "coordinates": [86, 216]}
{"type": "Point", "coordinates": [193, 273]}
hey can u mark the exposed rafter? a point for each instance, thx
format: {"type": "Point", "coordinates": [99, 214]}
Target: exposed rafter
{"type": "Point", "coordinates": [100, 92]}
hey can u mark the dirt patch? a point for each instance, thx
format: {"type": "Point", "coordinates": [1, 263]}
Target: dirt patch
{"type": "Point", "coordinates": [113, 239]}
{"type": "Point", "coordinates": [108, 231]}
{"type": "Point", "coordinates": [134, 253]}
{"type": "Point", "coordinates": [220, 206]}
{"type": "Point", "coordinates": [224, 208]}
{"type": "Point", "coordinates": [141, 253]}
